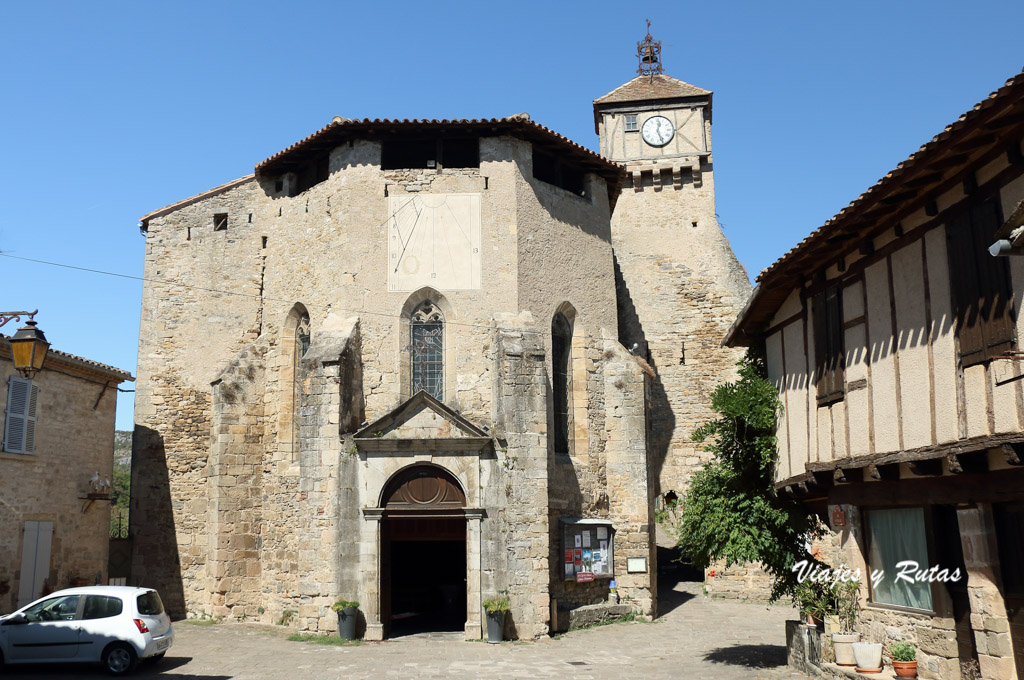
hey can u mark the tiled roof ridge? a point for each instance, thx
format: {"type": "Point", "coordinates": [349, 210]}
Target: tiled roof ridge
{"type": "Point", "coordinates": [673, 81]}
{"type": "Point", "coordinates": [192, 199]}
{"type": "Point", "coordinates": [893, 174]}
{"type": "Point", "coordinates": [521, 119]}
{"type": "Point", "coordinates": [74, 358]}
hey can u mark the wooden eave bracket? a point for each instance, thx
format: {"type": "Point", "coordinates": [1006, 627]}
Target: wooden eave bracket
{"type": "Point", "coordinates": [1012, 453]}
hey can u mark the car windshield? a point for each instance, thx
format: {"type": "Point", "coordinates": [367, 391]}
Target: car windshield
{"type": "Point", "coordinates": [150, 604]}
{"type": "Point", "coordinates": [61, 608]}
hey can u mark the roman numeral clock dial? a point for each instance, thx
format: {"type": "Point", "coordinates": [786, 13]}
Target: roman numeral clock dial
{"type": "Point", "coordinates": [433, 240]}
{"type": "Point", "coordinates": [657, 131]}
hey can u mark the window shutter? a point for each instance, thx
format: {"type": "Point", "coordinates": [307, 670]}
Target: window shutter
{"type": "Point", "coordinates": [30, 419]}
{"type": "Point", "coordinates": [967, 291]}
{"type": "Point", "coordinates": [982, 291]}
{"type": "Point", "coordinates": [20, 420]}
{"type": "Point", "coordinates": [828, 344]}
{"type": "Point", "coordinates": [820, 344]}
{"type": "Point", "coordinates": [994, 278]}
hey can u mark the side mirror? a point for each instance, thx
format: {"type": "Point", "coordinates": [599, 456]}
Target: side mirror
{"type": "Point", "coordinates": [16, 620]}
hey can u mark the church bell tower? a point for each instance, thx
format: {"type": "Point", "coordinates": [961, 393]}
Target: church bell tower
{"type": "Point", "coordinates": [679, 285]}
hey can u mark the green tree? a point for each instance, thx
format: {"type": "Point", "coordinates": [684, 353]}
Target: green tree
{"type": "Point", "coordinates": [122, 480]}
{"type": "Point", "coordinates": [731, 512]}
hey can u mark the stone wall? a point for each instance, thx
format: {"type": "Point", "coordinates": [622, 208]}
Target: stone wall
{"type": "Point", "coordinates": [74, 439]}
{"type": "Point", "coordinates": [522, 400]}
{"type": "Point", "coordinates": [738, 582]}
{"type": "Point", "coordinates": [262, 502]}
{"type": "Point", "coordinates": [935, 634]}
{"type": "Point", "coordinates": [608, 479]}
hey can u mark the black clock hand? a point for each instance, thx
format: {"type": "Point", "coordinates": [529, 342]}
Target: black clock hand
{"type": "Point", "coordinates": [411, 232]}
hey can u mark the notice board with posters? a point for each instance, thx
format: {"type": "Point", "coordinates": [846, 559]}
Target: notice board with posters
{"type": "Point", "coordinates": [587, 550]}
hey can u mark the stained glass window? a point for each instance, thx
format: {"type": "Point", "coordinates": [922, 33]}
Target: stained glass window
{"type": "Point", "coordinates": [427, 326]}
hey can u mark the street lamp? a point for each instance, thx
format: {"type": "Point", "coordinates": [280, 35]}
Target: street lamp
{"type": "Point", "coordinates": [28, 346]}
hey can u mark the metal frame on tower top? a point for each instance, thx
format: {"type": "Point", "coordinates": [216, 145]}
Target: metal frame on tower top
{"type": "Point", "coordinates": [648, 51]}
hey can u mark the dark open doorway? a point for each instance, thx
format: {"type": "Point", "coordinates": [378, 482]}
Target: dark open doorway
{"type": "Point", "coordinates": [426, 575]}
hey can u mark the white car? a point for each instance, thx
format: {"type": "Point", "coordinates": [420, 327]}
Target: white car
{"type": "Point", "coordinates": [115, 625]}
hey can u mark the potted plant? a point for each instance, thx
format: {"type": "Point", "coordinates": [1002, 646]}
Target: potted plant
{"type": "Point", "coordinates": [869, 657]}
{"type": "Point", "coordinates": [496, 607]}
{"type": "Point", "coordinates": [846, 596]}
{"type": "Point", "coordinates": [904, 659]}
{"type": "Point", "coordinates": [347, 611]}
{"type": "Point", "coordinates": [815, 601]}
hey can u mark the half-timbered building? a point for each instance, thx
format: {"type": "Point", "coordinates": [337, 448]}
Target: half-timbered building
{"type": "Point", "coordinates": [893, 336]}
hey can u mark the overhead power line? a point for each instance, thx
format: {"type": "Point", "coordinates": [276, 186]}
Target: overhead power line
{"type": "Point", "coordinates": [180, 284]}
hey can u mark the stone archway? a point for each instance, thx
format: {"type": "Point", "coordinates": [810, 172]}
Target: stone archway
{"type": "Point", "coordinates": [429, 553]}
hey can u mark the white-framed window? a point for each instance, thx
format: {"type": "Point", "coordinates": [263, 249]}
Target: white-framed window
{"type": "Point", "coordinates": [631, 124]}
{"type": "Point", "coordinates": [20, 416]}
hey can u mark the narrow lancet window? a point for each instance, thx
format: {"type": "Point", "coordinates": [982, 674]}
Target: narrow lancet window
{"type": "Point", "coordinates": [561, 380]}
{"type": "Point", "coordinates": [427, 342]}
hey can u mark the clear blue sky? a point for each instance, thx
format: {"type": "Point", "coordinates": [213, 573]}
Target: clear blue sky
{"type": "Point", "coordinates": [112, 109]}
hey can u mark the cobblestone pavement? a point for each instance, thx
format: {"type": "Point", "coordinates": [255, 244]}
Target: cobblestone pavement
{"type": "Point", "coordinates": [695, 638]}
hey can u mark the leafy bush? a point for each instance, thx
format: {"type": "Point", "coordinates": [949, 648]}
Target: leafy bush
{"type": "Point", "coordinates": [815, 598]}
{"type": "Point", "coordinates": [496, 605]}
{"type": "Point", "coordinates": [344, 604]}
{"type": "Point", "coordinates": [903, 651]}
{"type": "Point", "coordinates": [732, 512]}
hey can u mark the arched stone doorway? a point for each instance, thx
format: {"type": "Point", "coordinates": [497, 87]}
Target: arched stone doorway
{"type": "Point", "coordinates": [423, 574]}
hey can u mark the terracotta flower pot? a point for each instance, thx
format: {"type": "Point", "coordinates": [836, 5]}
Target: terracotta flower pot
{"type": "Point", "coordinates": [905, 669]}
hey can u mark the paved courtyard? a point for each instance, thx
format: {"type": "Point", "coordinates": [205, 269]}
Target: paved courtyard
{"type": "Point", "coordinates": [695, 638]}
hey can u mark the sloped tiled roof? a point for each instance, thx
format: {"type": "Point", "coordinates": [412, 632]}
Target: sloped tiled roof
{"type": "Point", "coordinates": [510, 124]}
{"type": "Point", "coordinates": [193, 199]}
{"type": "Point", "coordinates": [73, 360]}
{"type": "Point", "coordinates": [656, 86]}
{"type": "Point", "coordinates": [520, 125]}
{"type": "Point", "coordinates": [993, 122]}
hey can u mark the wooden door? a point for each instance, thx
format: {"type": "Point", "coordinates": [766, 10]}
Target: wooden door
{"type": "Point", "coordinates": [35, 560]}
{"type": "Point", "coordinates": [385, 576]}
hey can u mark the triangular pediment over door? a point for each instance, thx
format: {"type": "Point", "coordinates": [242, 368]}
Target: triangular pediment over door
{"type": "Point", "coordinates": [423, 423]}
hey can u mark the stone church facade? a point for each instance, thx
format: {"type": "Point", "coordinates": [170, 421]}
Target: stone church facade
{"type": "Point", "coordinates": [422, 363]}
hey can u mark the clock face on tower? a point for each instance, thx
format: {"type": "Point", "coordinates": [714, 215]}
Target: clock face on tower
{"type": "Point", "coordinates": [657, 131]}
{"type": "Point", "coordinates": [434, 240]}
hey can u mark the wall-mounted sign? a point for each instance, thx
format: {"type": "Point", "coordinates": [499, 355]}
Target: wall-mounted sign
{"type": "Point", "coordinates": [838, 516]}
{"type": "Point", "coordinates": [588, 550]}
{"type": "Point", "coordinates": [636, 565]}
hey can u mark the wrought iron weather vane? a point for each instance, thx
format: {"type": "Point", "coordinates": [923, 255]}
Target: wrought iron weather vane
{"type": "Point", "coordinates": [648, 51]}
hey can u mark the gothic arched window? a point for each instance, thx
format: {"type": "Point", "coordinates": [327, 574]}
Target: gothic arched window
{"type": "Point", "coordinates": [427, 343]}
{"type": "Point", "coordinates": [561, 381]}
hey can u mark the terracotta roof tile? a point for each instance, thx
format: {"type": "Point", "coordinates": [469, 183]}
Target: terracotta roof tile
{"type": "Point", "coordinates": [893, 178]}
{"type": "Point", "coordinates": [657, 86]}
{"type": "Point", "coordinates": [192, 199]}
{"type": "Point", "coordinates": [75, 360]}
{"type": "Point", "coordinates": [521, 121]}
{"type": "Point", "coordinates": [776, 280]}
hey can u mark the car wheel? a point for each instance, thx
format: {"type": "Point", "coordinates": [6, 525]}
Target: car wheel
{"type": "Point", "coordinates": [119, 658]}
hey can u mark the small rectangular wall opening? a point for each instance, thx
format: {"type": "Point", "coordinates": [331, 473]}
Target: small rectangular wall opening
{"type": "Point", "coordinates": [548, 168]}
{"type": "Point", "coordinates": [311, 174]}
{"type": "Point", "coordinates": [407, 153]}
{"type": "Point", "coordinates": [220, 222]}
